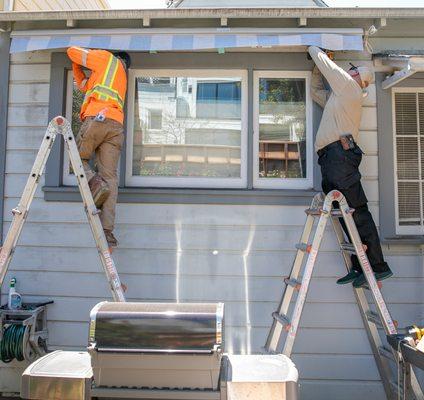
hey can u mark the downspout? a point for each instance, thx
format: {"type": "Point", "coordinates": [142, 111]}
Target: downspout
{"type": "Point", "coordinates": [4, 102]}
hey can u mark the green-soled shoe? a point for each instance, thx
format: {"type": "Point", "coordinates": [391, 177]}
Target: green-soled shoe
{"type": "Point", "coordinates": [380, 276]}
{"type": "Point", "coordinates": [349, 277]}
{"type": "Point", "coordinates": [359, 281]}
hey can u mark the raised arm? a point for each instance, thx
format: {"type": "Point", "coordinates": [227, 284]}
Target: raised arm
{"type": "Point", "coordinates": [318, 91]}
{"type": "Point", "coordinates": [91, 59]}
{"type": "Point", "coordinates": [79, 76]}
{"type": "Point", "coordinates": [336, 76]}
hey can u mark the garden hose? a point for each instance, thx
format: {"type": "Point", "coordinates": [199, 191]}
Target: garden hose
{"type": "Point", "coordinates": [12, 343]}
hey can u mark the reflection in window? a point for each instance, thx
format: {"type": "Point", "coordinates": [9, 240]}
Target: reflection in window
{"type": "Point", "coordinates": [282, 128]}
{"type": "Point", "coordinates": [187, 127]}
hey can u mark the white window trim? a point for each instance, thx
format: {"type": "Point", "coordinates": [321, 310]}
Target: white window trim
{"type": "Point", "coordinates": [404, 230]}
{"type": "Point", "coordinates": [283, 183]}
{"type": "Point", "coordinates": [187, 182]}
{"type": "Point", "coordinates": [67, 178]}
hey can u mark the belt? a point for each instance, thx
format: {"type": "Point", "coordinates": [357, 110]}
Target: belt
{"type": "Point", "coordinates": [322, 151]}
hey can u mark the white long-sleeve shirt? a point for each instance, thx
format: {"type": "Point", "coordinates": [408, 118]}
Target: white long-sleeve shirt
{"type": "Point", "coordinates": [342, 105]}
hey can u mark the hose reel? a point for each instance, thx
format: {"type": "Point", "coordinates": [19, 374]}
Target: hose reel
{"type": "Point", "coordinates": [23, 332]}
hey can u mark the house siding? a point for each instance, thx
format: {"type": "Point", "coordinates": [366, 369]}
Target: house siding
{"type": "Point", "coordinates": [231, 253]}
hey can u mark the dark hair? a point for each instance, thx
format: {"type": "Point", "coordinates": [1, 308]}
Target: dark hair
{"type": "Point", "coordinates": [125, 57]}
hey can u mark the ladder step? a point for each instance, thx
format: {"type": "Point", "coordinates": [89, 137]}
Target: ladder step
{"type": "Point", "coordinates": [386, 352]}
{"type": "Point", "coordinates": [305, 247]}
{"type": "Point", "coordinates": [336, 213]}
{"type": "Point", "coordinates": [348, 247]}
{"type": "Point", "coordinates": [374, 318]}
{"type": "Point", "coordinates": [293, 283]}
{"type": "Point", "coordinates": [282, 319]}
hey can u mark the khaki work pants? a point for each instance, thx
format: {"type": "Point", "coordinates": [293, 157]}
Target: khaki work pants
{"type": "Point", "coordinates": [104, 140]}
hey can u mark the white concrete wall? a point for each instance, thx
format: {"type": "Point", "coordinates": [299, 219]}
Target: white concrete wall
{"type": "Point", "coordinates": [166, 253]}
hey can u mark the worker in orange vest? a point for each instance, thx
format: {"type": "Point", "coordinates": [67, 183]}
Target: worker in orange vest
{"type": "Point", "coordinates": [101, 133]}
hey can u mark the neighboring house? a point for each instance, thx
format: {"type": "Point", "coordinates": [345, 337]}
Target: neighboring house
{"type": "Point", "coordinates": [217, 169]}
{"type": "Point", "coordinates": [50, 5]}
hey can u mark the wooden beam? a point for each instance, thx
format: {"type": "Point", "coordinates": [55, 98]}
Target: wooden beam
{"type": "Point", "coordinates": [71, 23]}
{"type": "Point", "coordinates": [146, 22]}
{"type": "Point", "coordinates": [302, 21]}
{"type": "Point", "coordinates": [380, 23]}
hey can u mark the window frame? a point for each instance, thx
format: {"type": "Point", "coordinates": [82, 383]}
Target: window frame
{"type": "Point", "coordinates": [67, 178]}
{"type": "Point", "coordinates": [406, 230]}
{"type": "Point", "coordinates": [187, 182]}
{"type": "Point", "coordinates": [283, 183]}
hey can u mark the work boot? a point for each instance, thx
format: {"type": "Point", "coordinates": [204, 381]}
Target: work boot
{"type": "Point", "coordinates": [349, 277]}
{"type": "Point", "coordinates": [99, 190]}
{"type": "Point", "coordinates": [379, 276]}
{"type": "Point", "coordinates": [110, 238]}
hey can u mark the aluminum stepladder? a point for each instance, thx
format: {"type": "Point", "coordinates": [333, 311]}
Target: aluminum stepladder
{"type": "Point", "coordinates": [60, 126]}
{"type": "Point", "coordinates": [322, 208]}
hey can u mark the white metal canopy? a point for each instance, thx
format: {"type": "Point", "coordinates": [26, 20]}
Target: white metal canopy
{"type": "Point", "coordinates": [149, 39]}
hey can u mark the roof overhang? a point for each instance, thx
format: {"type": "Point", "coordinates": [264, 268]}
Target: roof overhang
{"type": "Point", "coordinates": [185, 13]}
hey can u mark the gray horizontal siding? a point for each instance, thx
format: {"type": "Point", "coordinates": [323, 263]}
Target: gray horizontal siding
{"type": "Point", "coordinates": [169, 251]}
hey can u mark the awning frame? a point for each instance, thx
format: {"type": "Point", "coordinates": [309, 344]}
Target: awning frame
{"type": "Point", "coordinates": [146, 39]}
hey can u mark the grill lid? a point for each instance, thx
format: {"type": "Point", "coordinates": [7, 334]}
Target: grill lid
{"type": "Point", "coordinates": [156, 327]}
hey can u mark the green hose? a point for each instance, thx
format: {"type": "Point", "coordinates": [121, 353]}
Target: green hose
{"type": "Point", "coordinates": [11, 346]}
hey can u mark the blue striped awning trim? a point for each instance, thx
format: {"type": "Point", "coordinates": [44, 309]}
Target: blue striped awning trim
{"type": "Point", "coordinates": [176, 42]}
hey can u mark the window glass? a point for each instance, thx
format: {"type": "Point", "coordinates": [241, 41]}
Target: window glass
{"type": "Point", "coordinates": [187, 127]}
{"type": "Point", "coordinates": [282, 126]}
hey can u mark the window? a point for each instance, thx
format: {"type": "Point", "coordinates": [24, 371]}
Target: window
{"type": "Point", "coordinates": [218, 100]}
{"type": "Point", "coordinates": [283, 147]}
{"type": "Point", "coordinates": [155, 119]}
{"type": "Point", "coordinates": [408, 128]}
{"type": "Point", "coordinates": [187, 128]}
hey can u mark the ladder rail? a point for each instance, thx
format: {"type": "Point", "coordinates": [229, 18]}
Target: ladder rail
{"type": "Point", "coordinates": [373, 335]}
{"type": "Point", "coordinates": [389, 326]}
{"type": "Point", "coordinates": [276, 330]}
{"type": "Point", "coordinates": [60, 125]}
{"type": "Point", "coordinates": [20, 213]}
{"type": "Point", "coordinates": [91, 212]}
{"type": "Point", "coordinates": [307, 275]}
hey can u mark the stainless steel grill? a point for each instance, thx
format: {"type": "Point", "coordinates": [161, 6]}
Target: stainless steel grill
{"type": "Point", "coordinates": [156, 345]}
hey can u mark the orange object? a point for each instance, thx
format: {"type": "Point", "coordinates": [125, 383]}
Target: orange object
{"type": "Point", "coordinates": [106, 87]}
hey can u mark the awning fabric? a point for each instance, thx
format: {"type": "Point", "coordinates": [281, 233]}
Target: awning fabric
{"type": "Point", "coordinates": [170, 41]}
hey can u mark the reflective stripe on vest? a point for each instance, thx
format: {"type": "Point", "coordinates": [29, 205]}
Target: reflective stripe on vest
{"type": "Point", "coordinates": [105, 91]}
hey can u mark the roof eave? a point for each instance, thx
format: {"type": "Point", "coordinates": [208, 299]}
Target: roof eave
{"type": "Point", "coordinates": [186, 13]}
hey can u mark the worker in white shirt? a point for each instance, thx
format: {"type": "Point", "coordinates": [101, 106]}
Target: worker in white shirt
{"type": "Point", "coordinates": [340, 156]}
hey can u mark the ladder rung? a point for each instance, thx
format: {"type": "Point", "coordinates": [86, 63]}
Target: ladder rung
{"type": "Point", "coordinates": [304, 247]}
{"type": "Point", "coordinates": [293, 283]}
{"type": "Point", "coordinates": [385, 352]}
{"type": "Point", "coordinates": [374, 318]}
{"type": "Point", "coordinates": [316, 212]}
{"type": "Point", "coordinates": [348, 247]}
{"type": "Point", "coordinates": [282, 319]}
{"type": "Point", "coordinates": [336, 213]}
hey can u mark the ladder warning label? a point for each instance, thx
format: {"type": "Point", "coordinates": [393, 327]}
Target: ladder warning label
{"type": "Point", "coordinates": [3, 258]}
{"type": "Point", "coordinates": [110, 266]}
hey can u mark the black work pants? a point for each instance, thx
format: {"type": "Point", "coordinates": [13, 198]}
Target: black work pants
{"type": "Point", "coordinates": [340, 171]}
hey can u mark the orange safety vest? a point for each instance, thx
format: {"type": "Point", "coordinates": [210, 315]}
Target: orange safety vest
{"type": "Point", "coordinates": [106, 87]}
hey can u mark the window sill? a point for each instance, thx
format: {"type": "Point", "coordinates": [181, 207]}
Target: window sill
{"type": "Point", "coordinates": [192, 196]}
{"type": "Point", "coordinates": [404, 239]}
